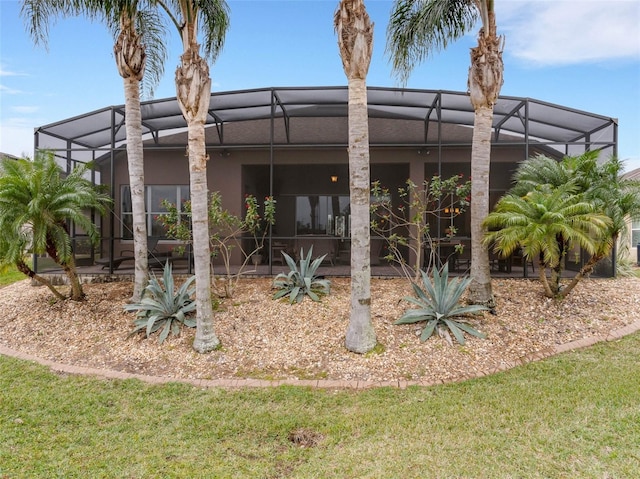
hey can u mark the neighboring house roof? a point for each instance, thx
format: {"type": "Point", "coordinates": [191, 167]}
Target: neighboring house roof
{"type": "Point", "coordinates": [318, 116]}
{"type": "Point", "coordinates": [632, 175]}
{"type": "Point", "coordinates": [7, 155]}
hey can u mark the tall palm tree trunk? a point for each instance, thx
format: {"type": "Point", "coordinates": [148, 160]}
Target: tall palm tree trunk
{"type": "Point", "coordinates": [193, 86]}
{"type": "Point", "coordinates": [355, 41]}
{"type": "Point", "coordinates": [480, 287]}
{"type": "Point", "coordinates": [130, 60]}
{"type": "Point", "coordinates": [485, 81]}
{"type": "Point", "coordinates": [133, 120]}
{"type": "Point", "coordinates": [361, 336]}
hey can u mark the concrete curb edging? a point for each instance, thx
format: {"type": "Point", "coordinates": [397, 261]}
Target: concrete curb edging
{"type": "Point", "coordinates": [319, 383]}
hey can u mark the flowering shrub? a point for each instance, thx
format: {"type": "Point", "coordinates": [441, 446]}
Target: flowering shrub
{"type": "Point", "coordinates": [256, 224]}
{"type": "Point", "coordinates": [226, 232]}
{"type": "Point", "coordinates": [406, 225]}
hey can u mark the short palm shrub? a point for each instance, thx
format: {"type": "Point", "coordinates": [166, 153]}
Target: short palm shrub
{"type": "Point", "coordinates": [301, 280]}
{"type": "Point", "coordinates": [162, 307]}
{"type": "Point", "coordinates": [438, 304]}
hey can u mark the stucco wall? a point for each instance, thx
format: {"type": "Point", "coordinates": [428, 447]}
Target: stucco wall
{"type": "Point", "coordinates": [312, 168]}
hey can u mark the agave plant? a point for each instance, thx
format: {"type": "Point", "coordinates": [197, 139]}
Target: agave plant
{"type": "Point", "coordinates": [301, 280]}
{"type": "Point", "coordinates": [163, 307]}
{"type": "Point", "coordinates": [438, 303]}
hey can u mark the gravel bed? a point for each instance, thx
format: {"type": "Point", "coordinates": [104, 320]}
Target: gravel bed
{"type": "Point", "coordinates": [266, 339]}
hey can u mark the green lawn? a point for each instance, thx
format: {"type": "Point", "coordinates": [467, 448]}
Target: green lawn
{"type": "Point", "coordinates": [573, 416]}
{"type": "Point", "coordinates": [10, 274]}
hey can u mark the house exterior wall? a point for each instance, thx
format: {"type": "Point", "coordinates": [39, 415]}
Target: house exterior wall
{"type": "Point", "coordinates": [300, 171]}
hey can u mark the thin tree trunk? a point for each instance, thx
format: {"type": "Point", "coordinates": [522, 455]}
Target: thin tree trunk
{"type": "Point", "coordinates": [361, 336]}
{"type": "Point", "coordinates": [130, 59]}
{"type": "Point", "coordinates": [543, 279]}
{"type": "Point", "coordinates": [133, 121]}
{"type": "Point", "coordinates": [355, 41]}
{"type": "Point", "coordinates": [69, 268]}
{"type": "Point", "coordinates": [193, 86]}
{"type": "Point", "coordinates": [480, 286]}
{"type": "Point", "coordinates": [24, 268]}
{"type": "Point", "coordinates": [584, 271]}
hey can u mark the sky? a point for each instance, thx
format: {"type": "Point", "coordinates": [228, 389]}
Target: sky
{"type": "Point", "coordinates": [582, 54]}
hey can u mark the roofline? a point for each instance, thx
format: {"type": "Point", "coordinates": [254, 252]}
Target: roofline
{"type": "Point", "coordinates": [120, 107]}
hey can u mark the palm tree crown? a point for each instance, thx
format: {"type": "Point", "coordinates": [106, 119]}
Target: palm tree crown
{"type": "Point", "coordinates": [420, 28]}
{"type": "Point", "coordinates": [36, 197]}
{"type": "Point", "coordinates": [136, 18]}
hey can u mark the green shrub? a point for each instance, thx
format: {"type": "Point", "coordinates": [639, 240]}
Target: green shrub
{"type": "Point", "coordinates": [302, 280]}
{"type": "Point", "coordinates": [228, 233]}
{"type": "Point", "coordinates": [164, 307]}
{"type": "Point", "coordinates": [438, 304]}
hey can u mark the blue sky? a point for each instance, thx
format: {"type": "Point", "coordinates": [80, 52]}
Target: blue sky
{"type": "Point", "coordinates": [583, 54]}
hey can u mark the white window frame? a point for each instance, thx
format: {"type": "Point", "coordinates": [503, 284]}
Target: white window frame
{"type": "Point", "coordinates": [182, 195]}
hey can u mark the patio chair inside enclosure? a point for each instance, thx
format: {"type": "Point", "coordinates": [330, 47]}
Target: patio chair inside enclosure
{"type": "Point", "coordinates": [155, 258]}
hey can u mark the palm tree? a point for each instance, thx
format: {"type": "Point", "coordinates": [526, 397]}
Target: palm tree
{"type": "Point", "coordinates": [355, 41]}
{"type": "Point", "coordinates": [601, 183]}
{"type": "Point", "coordinates": [139, 52]}
{"type": "Point", "coordinates": [619, 199]}
{"type": "Point", "coordinates": [418, 28]}
{"type": "Point", "coordinates": [534, 223]}
{"type": "Point", "coordinates": [37, 206]}
{"type": "Point", "coordinates": [193, 87]}
{"type": "Point", "coordinates": [543, 171]}
{"type": "Point", "coordinates": [14, 247]}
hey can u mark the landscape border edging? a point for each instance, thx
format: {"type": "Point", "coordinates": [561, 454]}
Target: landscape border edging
{"type": "Point", "coordinates": [236, 383]}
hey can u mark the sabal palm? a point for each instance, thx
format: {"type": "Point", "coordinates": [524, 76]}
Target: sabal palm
{"type": "Point", "coordinates": [193, 87]}
{"type": "Point", "coordinates": [534, 223]}
{"type": "Point", "coordinates": [416, 30]}
{"type": "Point", "coordinates": [139, 51]}
{"type": "Point", "coordinates": [355, 41]}
{"type": "Point", "coordinates": [37, 206]}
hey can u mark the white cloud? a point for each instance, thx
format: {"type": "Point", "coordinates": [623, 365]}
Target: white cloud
{"type": "Point", "coordinates": [570, 31]}
{"type": "Point", "coordinates": [9, 91]}
{"type": "Point", "coordinates": [8, 73]}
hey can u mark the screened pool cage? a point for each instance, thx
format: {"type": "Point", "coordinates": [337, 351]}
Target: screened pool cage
{"type": "Point", "coordinates": [285, 142]}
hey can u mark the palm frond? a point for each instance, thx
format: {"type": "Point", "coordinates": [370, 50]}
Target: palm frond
{"type": "Point", "coordinates": [419, 28]}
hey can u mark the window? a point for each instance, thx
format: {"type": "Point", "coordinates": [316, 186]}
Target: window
{"type": "Point", "coordinates": [320, 215]}
{"type": "Point", "coordinates": [635, 233]}
{"type": "Point", "coordinates": [153, 197]}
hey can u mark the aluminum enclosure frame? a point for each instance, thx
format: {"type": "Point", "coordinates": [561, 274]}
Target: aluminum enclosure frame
{"type": "Point", "coordinates": [278, 118]}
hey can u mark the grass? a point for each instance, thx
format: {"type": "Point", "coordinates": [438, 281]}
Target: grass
{"type": "Point", "coordinates": [9, 274]}
{"type": "Point", "coordinates": [573, 416]}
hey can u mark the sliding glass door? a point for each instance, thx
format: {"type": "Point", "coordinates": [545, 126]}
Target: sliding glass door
{"type": "Point", "coordinates": [322, 215]}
